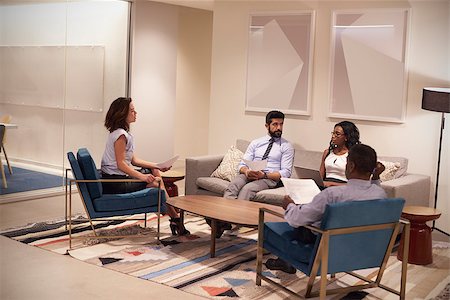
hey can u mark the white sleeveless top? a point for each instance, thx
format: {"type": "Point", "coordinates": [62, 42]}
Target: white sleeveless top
{"type": "Point", "coordinates": [109, 163]}
{"type": "Point", "coordinates": [335, 166]}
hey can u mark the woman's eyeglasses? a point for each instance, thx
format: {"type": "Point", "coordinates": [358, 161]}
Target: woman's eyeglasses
{"type": "Point", "coordinates": [337, 134]}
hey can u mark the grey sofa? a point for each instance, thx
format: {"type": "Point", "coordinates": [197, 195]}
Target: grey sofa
{"type": "Point", "coordinates": [414, 188]}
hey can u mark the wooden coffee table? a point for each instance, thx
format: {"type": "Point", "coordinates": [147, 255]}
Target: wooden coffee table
{"type": "Point", "coordinates": [242, 212]}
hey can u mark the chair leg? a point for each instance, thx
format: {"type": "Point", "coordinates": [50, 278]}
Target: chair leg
{"type": "Point", "coordinates": [7, 160]}
{"type": "Point", "coordinates": [260, 249]}
{"type": "Point", "coordinates": [404, 261]}
{"type": "Point", "coordinates": [5, 185]}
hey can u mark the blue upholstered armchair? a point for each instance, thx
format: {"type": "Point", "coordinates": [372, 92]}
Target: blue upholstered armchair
{"type": "Point", "coordinates": [99, 205]}
{"type": "Point", "coordinates": [354, 235]}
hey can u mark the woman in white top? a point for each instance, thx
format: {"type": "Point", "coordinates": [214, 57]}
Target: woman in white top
{"type": "Point", "coordinates": [334, 158]}
{"type": "Point", "coordinates": [118, 160]}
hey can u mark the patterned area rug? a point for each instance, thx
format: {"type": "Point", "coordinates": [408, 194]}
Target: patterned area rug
{"type": "Point", "coordinates": [185, 263]}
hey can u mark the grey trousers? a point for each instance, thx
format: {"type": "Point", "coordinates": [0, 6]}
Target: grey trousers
{"type": "Point", "coordinates": [241, 188]}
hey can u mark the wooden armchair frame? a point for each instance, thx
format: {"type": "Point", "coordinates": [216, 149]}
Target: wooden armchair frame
{"type": "Point", "coordinates": [321, 259]}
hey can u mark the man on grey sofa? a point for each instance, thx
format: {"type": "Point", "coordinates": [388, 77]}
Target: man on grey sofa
{"type": "Point", "coordinates": [280, 156]}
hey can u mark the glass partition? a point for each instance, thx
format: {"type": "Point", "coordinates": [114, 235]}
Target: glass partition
{"type": "Point", "coordinates": [61, 65]}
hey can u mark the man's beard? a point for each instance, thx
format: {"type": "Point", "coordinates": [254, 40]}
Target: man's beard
{"type": "Point", "coordinates": [276, 134]}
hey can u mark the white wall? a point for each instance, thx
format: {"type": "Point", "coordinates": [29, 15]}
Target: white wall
{"type": "Point", "coordinates": [193, 82]}
{"type": "Point", "coordinates": [428, 59]}
{"type": "Point", "coordinates": [153, 78]}
{"type": "Point", "coordinates": [170, 79]}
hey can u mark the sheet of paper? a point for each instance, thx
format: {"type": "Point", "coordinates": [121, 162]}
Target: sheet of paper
{"type": "Point", "coordinates": [167, 163]}
{"type": "Point", "coordinates": [256, 165]}
{"type": "Point", "coordinates": [300, 190]}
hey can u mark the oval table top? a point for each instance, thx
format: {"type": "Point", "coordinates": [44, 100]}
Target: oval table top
{"type": "Point", "coordinates": [243, 212]}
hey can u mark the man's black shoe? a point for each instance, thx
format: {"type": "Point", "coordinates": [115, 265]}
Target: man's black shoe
{"type": "Point", "coordinates": [221, 227]}
{"type": "Point", "coordinates": [279, 264]}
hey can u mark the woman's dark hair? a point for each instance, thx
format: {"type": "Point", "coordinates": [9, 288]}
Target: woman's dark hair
{"type": "Point", "coordinates": [364, 157]}
{"type": "Point", "coordinates": [274, 114]}
{"type": "Point", "coordinates": [117, 114]}
{"type": "Point", "coordinates": [351, 133]}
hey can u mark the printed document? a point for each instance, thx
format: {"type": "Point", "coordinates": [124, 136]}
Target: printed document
{"type": "Point", "coordinates": [256, 165]}
{"type": "Point", "coordinates": [300, 190]}
{"type": "Point", "coordinates": [167, 163]}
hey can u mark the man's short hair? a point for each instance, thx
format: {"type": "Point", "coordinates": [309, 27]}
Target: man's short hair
{"type": "Point", "coordinates": [274, 114]}
{"type": "Point", "coordinates": [364, 157]}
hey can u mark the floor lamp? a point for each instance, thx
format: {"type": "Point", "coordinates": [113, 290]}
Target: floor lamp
{"type": "Point", "coordinates": [437, 99]}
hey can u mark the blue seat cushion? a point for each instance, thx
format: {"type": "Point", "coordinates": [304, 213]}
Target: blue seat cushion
{"type": "Point", "coordinates": [89, 170]}
{"type": "Point", "coordinates": [124, 202]}
{"type": "Point", "coordinates": [279, 240]}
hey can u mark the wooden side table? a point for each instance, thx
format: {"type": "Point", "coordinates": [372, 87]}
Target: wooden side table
{"type": "Point", "coordinates": [420, 252]}
{"type": "Point", "coordinates": [169, 178]}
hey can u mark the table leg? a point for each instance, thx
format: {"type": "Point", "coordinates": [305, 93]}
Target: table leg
{"type": "Point", "coordinates": [213, 237]}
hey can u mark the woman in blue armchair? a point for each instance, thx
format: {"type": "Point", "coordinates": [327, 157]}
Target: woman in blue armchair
{"type": "Point", "coordinates": [119, 160]}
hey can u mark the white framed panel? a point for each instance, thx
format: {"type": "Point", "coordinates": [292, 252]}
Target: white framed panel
{"type": "Point", "coordinates": [368, 64]}
{"type": "Point", "coordinates": [279, 67]}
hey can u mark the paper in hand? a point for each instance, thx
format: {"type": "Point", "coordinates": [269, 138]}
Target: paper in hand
{"type": "Point", "coordinates": [301, 191]}
{"type": "Point", "coordinates": [256, 165]}
{"type": "Point", "coordinates": [167, 163]}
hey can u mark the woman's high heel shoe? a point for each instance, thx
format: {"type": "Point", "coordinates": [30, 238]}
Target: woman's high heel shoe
{"type": "Point", "coordinates": [177, 227]}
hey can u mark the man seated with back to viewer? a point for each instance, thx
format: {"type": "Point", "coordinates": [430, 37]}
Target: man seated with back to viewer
{"type": "Point", "coordinates": [362, 166]}
{"type": "Point", "coordinates": [280, 157]}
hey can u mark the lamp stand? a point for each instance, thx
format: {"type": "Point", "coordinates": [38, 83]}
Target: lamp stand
{"type": "Point", "coordinates": [437, 175]}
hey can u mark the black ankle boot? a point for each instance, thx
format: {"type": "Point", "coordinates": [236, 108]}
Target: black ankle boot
{"type": "Point", "coordinates": [177, 227]}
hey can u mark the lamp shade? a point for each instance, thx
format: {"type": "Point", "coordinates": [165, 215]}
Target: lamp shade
{"type": "Point", "coordinates": [436, 99]}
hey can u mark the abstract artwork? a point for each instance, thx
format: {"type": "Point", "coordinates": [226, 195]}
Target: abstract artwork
{"type": "Point", "coordinates": [280, 62]}
{"type": "Point", "coordinates": [368, 68]}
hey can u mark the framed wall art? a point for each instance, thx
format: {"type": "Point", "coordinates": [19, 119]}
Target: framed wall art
{"type": "Point", "coordinates": [280, 62]}
{"type": "Point", "coordinates": [368, 65]}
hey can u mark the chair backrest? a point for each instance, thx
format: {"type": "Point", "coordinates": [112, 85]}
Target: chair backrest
{"type": "Point", "coordinates": [360, 250]}
{"type": "Point", "coordinates": [89, 170]}
{"type": "Point", "coordinates": [82, 187]}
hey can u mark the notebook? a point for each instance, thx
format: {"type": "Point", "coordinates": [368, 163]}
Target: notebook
{"type": "Point", "coordinates": [305, 173]}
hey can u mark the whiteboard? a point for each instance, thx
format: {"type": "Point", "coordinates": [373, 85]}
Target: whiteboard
{"type": "Point", "coordinates": [70, 77]}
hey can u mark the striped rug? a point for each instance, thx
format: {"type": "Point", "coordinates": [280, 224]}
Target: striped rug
{"type": "Point", "coordinates": [185, 263]}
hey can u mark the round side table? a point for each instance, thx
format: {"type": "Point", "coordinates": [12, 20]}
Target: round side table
{"type": "Point", "coordinates": [169, 178]}
{"type": "Point", "coordinates": [420, 234]}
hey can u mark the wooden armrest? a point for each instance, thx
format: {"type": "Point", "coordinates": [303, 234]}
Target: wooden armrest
{"type": "Point", "coordinates": [263, 210]}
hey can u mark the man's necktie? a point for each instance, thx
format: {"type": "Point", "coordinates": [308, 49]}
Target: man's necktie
{"type": "Point", "coordinates": [269, 147]}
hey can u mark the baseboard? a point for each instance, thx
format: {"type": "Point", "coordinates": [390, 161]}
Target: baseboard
{"type": "Point", "coordinates": [32, 195]}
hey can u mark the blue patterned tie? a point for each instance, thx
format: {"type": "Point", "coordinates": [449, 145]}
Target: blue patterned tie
{"type": "Point", "coordinates": [269, 147]}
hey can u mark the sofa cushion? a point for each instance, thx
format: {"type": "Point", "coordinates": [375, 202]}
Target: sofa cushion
{"type": "Point", "coordinates": [401, 160]}
{"type": "Point", "coordinates": [271, 196]}
{"type": "Point", "coordinates": [391, 169]}
{"type": "Point", "coordinates": [213, 184]}
{"type": "Point", "coordinates": [228, 168]}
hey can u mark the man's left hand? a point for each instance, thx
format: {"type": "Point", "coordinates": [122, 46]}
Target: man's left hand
{"type": "Point", "coordinates": [286, 201]}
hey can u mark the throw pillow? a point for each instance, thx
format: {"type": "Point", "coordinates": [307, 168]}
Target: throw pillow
{"type": "Point", "coordinates": [228, 168]}
{"type": "Point", "coordinates": [389, 172]}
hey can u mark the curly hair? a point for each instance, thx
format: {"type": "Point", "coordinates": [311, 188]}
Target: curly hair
{"type": "Point", "coordinates": [351, 132]}
{"type": "Point", "coordinates": [116, 117]}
